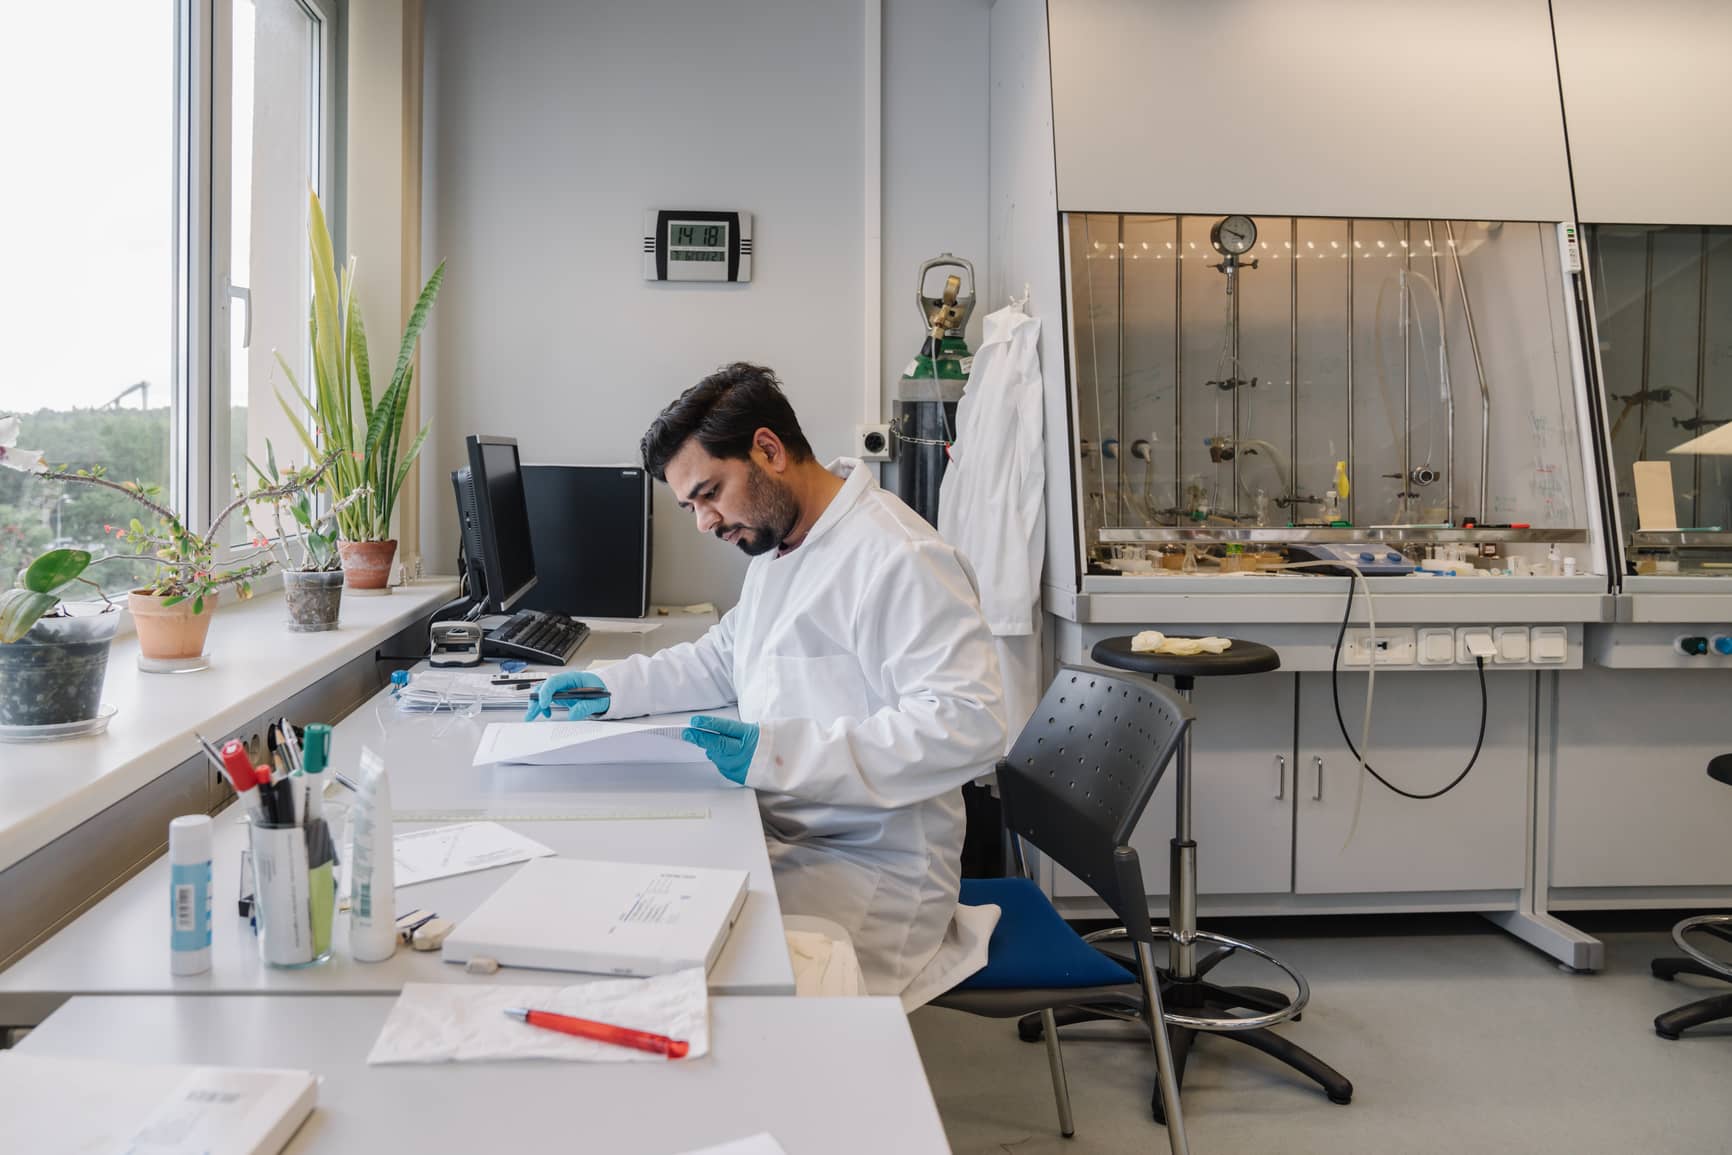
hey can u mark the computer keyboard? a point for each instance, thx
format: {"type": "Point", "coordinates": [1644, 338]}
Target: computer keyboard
{"type": "Point", "coordinates": [534, 636]}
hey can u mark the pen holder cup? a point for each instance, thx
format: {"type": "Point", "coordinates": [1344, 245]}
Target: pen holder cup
{"type": "Point", "coordinates": [294, 891]}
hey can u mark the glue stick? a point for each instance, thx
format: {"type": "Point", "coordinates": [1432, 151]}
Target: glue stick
{"type": "Point", "coordinates": [189, 856]}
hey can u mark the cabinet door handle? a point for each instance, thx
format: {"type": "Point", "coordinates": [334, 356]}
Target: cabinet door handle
{"type": "Point", "coordinates": [1280, 777]}
{"type": "Point", "coordinates": [1317, 795]}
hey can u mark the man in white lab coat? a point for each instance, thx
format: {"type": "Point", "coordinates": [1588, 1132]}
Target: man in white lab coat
{"type": "Point", "coordinates": [864, 672]}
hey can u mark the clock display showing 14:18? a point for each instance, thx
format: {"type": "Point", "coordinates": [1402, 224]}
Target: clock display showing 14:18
{"type": "Point", "coordinates": [687, 233]}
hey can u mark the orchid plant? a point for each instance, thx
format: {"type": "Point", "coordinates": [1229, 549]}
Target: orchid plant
{"type": "Point", "coordinates": [186, 562]}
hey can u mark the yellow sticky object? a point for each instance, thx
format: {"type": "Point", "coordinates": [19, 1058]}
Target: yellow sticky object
{"type": "Point", "coordinates": [1342, 486]}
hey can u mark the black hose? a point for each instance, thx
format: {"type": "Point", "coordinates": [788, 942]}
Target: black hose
{"type": "Point", "coordinates": [1335, 692]}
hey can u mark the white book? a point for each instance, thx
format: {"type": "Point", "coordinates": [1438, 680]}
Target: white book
{"type": "Point", "coordinates": [612, 918]}
{"type": "Point", "coordinates": [53, 1105]}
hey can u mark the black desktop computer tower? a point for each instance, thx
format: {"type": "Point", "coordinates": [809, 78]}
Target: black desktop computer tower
{"type": "Point", "coordinates": [590, 529]}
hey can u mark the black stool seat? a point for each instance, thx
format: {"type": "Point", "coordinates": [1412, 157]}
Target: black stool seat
{"type": "Point", "coordinates": [1241, 658]}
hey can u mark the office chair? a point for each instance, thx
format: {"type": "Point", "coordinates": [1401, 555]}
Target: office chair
{"type": "Point", "coordinates": [1073, 787]}
{"type": "Point", "coordinates": [1675, 1022]}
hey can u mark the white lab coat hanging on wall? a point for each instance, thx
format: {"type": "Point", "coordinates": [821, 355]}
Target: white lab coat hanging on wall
{"type": "Point", "coordinates": [991, 504]}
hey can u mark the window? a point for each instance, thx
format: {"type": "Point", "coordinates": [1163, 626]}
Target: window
{"type": "Point", "coordinates": [275, 56]}
{"type": "Point", "coordinates": [140, 128]}
{"type": "Point", "coordinates": [87, 349]}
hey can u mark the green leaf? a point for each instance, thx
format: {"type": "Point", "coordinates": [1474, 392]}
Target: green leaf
{"type": "Point", "coordinates": [358, 358]}
{"type": "Point", "coordinates": [198, 604]}
{"type": "Point", "coordinates": [54, 569]}
{"type": "Point", "coordinates": [418, 321]}
{"type": "Point", "coordinates": [174, 601]}
{"type": "Point", "coordinates": [19, 610]}
{"type": "Point", "coordinates": [271, 459]}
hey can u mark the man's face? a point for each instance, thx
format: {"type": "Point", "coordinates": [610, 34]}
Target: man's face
{"type": "Point", "coordinates": [738, 501]}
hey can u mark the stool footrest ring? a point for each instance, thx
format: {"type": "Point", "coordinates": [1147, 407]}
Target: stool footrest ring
{"type": "Point", "coordinates": [1231, 1022]}
{"type": "Point", "coordinates": [1703, 921]}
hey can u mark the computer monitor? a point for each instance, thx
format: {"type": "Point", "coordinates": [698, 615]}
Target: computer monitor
{"type": "Point", "coordinates": [498, 557]}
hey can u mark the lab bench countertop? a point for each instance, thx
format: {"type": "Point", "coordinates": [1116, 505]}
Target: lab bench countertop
{"type": "Point", "coordinates": [837, 1076]}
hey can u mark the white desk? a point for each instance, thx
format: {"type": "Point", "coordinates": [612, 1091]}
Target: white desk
{"type": "Point", "coordinates": [120, 945]}
{"type": "Point", "coordinates": [835, 1076]}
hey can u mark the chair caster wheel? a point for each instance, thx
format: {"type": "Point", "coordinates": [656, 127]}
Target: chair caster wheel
{"type": "Point", "coordinates": [1030, 1032]}
{"type": "Point", "coordinates": [1670, 1035]}
{"type": "Point", "coordinates": [1342, 1099]}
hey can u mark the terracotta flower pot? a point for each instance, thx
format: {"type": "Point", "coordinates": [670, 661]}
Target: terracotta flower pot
{"type": "Point", "coordinates": [170, 633]}
{"type": "Point", "coordinates": [367, 564]}
{"type": "Point", "coordinates": [314, 599]}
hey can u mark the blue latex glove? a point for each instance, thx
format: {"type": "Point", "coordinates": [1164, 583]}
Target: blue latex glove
{"type": "Point", "coordinates": [541, 706]}
{"type": "Point", "coordinates": [729, 744]}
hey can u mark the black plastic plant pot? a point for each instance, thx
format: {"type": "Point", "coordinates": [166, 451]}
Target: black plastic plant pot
{"type": "Point", "coordinates": [53, 674]}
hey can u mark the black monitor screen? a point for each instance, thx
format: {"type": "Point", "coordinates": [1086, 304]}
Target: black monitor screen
{"type": "Point", "coordinates": [506, 552]}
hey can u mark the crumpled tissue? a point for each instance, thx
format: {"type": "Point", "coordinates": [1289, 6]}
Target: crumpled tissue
{"type": "Point", "coordinates": [1155, 642]}
{"type": "Point", "coordinates": [462, 1023]}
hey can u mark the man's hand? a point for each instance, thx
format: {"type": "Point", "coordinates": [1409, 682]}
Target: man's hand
{"type": "Point", "coordinates": [541, 706]}
{"type": "Point", "coordinates": [727, 743]}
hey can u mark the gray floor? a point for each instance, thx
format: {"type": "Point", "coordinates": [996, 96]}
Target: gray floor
{"type": "Point", "coordinates": [1456, 1038]}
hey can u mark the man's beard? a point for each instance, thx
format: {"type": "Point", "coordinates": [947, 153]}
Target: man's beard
{"type": "Point", "coordinates": [771, 515]}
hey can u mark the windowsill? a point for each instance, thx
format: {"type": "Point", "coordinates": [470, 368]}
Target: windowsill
{"type": "Point", "coordinates": [46, 790]}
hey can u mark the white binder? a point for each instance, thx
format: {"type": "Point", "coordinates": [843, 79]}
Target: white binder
{"type": "Point", "coordinates": [613, 918]}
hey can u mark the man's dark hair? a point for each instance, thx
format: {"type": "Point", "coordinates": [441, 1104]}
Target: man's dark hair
{"type": "Point", "coordinates": [723, 411]}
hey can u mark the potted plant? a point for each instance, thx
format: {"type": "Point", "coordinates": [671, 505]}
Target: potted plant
{"type": "Point", "coordinates": [313, 580]}
{"type": "Point", "coordinates": [342, 417]}
{"type": "Point", "coordinates": [169, 609]}
{"type": "Point", "coordinates": [53, 656]}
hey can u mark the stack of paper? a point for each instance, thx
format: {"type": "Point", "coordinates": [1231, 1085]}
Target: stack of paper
{"type": "Point", "coordinates": [453, 690]}
{"type": "Point", "coordinates": [79, 1105]}
{"type": "Point", "coordinates": [585, 743]}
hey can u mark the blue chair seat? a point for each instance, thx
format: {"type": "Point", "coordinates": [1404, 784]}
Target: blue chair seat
{"type": "Point", "coordinates": [1032, 947]}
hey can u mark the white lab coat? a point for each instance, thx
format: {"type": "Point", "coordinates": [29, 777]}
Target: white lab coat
{"type": "Point", "coordinates": [863, 658]}
{"type": "Point", "coordinates": [992, 503]}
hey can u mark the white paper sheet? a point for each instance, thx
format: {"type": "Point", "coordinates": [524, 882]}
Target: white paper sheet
{"type": "Point", "coordinates": [763, 1143]}
{"type": "Point", "coordinates": [459, 1023]}
{"type": "Point", "coordinates": [585, 743]}
{"type": "Point", "coordinates": [441, 851]}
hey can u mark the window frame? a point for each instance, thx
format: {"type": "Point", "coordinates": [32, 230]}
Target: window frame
{"type": "Point", "coordinates": [203, 289]}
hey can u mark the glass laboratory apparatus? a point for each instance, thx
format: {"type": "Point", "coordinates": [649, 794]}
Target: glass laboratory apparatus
{"type": "Point", "coordinates": [1663, 319]}
{"type": "Point", "coordinates": [1255, 391]}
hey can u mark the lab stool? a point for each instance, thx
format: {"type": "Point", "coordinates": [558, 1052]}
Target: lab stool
{"type": "Point", "coordinates": [1674, 1022]}
{"type": "Point", "coordinates": [1192, 1003]}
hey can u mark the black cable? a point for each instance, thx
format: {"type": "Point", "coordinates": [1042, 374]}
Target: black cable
{"type": "Point", "coordinates": [1335, 692]}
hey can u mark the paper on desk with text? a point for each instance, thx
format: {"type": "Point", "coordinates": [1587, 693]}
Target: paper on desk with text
{"type": "Point", "coordinates": [461, 1023]}
{"type": "Point", "coordinates": [590, 742]}
{"type": "Point", "coordinates": [442, 851]}
{"type": "Point", "coordinates": [52, 1104]}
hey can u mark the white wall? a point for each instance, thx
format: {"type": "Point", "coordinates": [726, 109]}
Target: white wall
{"type": "Point", "coordinates": [550, 127]}
{"type": "Point", "coordinates": [542, 126]}
{"type": "Point", "coordinates": [935, 161]}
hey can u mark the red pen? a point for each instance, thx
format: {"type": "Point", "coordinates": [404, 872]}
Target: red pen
{"type": "Point", "coordinates": [601, 1032]}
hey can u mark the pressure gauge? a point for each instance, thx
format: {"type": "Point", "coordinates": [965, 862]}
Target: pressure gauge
{"type": "Point", "coordinates": [1233, 235]}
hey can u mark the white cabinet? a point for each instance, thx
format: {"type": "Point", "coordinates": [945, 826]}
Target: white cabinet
{"type": "Point", "coordinates": [1632, 803]}
{"type": "Point", "coordinates": [1241, 806]}
{"type": "Point", "coordinates": [1423, 728]}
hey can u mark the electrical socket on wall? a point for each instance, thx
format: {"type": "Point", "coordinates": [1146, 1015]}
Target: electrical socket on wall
{"type": "Point", "coordinates": [874, 443]}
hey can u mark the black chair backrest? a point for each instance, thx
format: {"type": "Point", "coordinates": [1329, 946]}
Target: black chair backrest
{"type": "Point", "coordinates": [1081, 772]}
